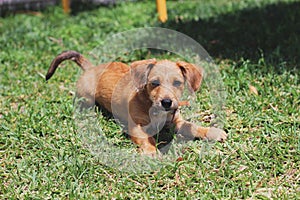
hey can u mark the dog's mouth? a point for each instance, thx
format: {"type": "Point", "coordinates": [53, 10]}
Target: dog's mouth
{"type": "Point", "coordinates": [156, 111]}
{"type": "Point", "coordinates": [160, 107]}
{"type": "Point", "coordinates": [170, 110]}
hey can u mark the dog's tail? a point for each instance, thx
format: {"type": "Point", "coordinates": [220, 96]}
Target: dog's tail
{"type": "Point", "coordinates": [68, 55]}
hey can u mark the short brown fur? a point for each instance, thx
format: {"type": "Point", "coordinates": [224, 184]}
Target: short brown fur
{"type": "Point", "coordinates": [145, 96]}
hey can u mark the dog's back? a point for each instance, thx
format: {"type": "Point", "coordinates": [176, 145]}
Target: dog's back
{"type": "Point", "coordinates": [96, 84]}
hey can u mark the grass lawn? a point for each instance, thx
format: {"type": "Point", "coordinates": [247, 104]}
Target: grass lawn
{"type": "Point", "coordinates": [255, 43]}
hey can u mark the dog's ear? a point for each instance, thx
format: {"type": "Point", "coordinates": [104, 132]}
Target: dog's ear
{"type": "Point", "coordinates": [192, 74]}
{"type": "Point", "coordinates": [140, 70]}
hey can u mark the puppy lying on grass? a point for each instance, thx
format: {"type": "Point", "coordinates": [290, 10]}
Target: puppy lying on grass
{"type": "Point", "coordinates": [144, 96]}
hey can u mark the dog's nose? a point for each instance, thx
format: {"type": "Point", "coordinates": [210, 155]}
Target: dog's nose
{"type": "Point", "coordinates": [166, 103]}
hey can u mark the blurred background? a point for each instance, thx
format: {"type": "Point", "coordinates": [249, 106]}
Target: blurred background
{"type": "Point", "coordinates": [227, 29]}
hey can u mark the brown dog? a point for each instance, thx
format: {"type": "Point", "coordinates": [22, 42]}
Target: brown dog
{"type": "Point", "coordinates": [144, 96]}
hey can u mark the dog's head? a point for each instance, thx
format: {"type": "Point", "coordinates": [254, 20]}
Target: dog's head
{"type": "Point", "coordinates": [164, 80]}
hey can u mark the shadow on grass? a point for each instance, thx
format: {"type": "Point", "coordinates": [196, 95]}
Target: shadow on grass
{"type": "Point", "coordinates": [78, 6]}
{"type": "Point", "coordinates": [273, 30]}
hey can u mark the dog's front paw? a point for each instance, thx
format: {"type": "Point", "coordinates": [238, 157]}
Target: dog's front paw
{"type": "Point", "coordinates": [216, 134]}
{"type": "Point", "coordinates": [149, 150]}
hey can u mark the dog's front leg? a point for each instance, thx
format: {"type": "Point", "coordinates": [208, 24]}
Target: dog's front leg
{"type": "Point", "coordinates": [191, 131]}
{"type": "Point", "coordinates": [146, 143]}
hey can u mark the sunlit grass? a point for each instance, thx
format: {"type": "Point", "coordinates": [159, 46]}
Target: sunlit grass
{"type": "Point", "coordinates": [41, 152]}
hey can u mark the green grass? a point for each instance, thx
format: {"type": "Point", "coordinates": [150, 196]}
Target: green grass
{"type": "Point", "coordinates": [253, 42]}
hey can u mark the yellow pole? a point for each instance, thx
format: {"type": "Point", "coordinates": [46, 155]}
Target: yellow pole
{"type": "Point", "coordinates": [66, 6]}
{"type": "Point", "coordinates": [162, 10]}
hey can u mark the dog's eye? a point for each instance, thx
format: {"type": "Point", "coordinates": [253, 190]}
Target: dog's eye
{"type": "Point", "coordinates": [177, 83]}
{"type": "Point", "coordinates": [155, 83]}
